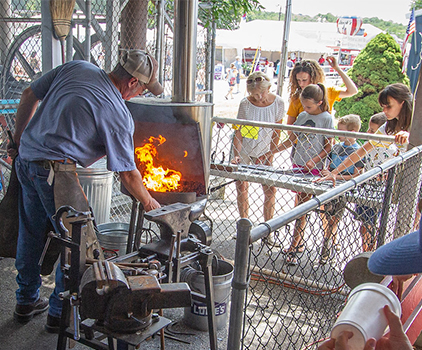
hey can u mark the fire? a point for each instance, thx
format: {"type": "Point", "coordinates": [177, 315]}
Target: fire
{"type": "Point", "coordinates": [186, 154]}
{"type": "Point", "coordinates": [156, 178]}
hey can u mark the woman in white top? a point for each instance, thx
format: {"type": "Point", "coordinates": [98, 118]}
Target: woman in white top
{"type": "Point", "coordinates": [251, 143]}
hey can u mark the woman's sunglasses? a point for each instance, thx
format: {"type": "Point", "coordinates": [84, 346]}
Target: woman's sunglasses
{"type": "Point", "coordinates": [257, 79]}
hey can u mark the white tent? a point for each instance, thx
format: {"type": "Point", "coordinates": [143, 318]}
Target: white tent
{"type": "Point", "coordinates": [304, 36]}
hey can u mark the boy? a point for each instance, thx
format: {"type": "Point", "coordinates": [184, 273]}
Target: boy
{"type": "Point", "coordinates": [368, 215]}
{"type": "Point", "coordinates": [333, 211]}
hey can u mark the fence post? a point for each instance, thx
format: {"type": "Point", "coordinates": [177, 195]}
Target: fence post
{"type": "Point", "coordinates": [240, 283]}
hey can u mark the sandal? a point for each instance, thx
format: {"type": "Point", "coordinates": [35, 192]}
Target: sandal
{"type": "Point", "coordinates": [292, 257]}
{"type": "Point", "coordinates": [326, 251]}
{"type": "Point", "coordinates": [299, 249]}
{"type": "Point", "coordinates": [273, 240]}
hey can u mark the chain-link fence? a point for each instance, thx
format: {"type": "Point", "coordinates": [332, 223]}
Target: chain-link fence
{"type": "Point", "coordinates": [296, 262]}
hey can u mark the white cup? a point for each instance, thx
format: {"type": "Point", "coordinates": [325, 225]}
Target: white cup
{"type": "Point", "coordinates": [364, 315]}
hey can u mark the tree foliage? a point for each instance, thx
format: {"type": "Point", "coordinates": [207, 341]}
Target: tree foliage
{"type": "Point", "coordinates": [227, 14]}
{"type": "Point", "coordinates": [375, 67]}
{"type": "Point", "coordinates": [417, 4]}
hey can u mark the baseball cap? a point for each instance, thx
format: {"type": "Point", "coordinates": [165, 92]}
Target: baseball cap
{"type": "Point", "coordinates": [402, 256]}
{"type": "Point", "coordinates": [142, 66]}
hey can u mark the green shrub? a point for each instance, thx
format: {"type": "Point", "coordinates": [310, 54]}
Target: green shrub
{"type": "Point", "coordinates": [375, 67]}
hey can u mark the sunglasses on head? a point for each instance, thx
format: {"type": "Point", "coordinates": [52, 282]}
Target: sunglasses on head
{"type": "Point", "coordinates": [257, 79]}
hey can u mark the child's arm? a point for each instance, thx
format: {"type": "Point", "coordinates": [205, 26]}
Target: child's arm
{"type": "Point", "coordinates": [348, 162]}
{"type": "Point", "coordinates": [351, 88]}
{"type": "Point", "coordinates": [356, 172]}
{"type": "Point", "coordinates": [310, 164]}
{"type": "Point", "coordinates": [286, 144]}
{"type": "Point", "coordinates": [275, 139]}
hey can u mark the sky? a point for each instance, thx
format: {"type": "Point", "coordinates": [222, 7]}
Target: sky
{"type": "Point", "coordinates": [394, 10]}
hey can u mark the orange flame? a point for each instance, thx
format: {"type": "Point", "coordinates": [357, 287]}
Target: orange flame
{"type": "Point", "coordinates": [186, 154]}
{"type": "Point", "coordinates": [156, 178]}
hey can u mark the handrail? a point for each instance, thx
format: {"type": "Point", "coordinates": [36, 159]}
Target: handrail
{"type": "Point", "coordinates": [329, 132]}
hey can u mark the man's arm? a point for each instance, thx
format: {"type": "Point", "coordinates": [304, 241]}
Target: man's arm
{"type": "Point", "coordinates": [26, 109]}
{"type": "Point", "coordinates": [132, 180]}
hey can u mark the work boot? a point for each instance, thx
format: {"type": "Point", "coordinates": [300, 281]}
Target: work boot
{"type": "Point", "coordinates": [24, 313]}
{"type": "Point", "coordinates": [53, 324]}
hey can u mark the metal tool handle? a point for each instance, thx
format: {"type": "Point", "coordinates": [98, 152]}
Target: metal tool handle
{"type": "Point", "coordinates": [76, 318]}
{"type": "Point", "coordinates": [44, 252]}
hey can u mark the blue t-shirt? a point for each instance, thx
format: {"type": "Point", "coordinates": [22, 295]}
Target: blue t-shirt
{"type": "Point", "coordinates": [82, 117]}
{"type": "Point", "coordinates": [339, 153]}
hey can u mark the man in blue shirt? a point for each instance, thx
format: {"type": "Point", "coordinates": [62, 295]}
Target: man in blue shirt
{"type": "Point", "coordinates": [81, 119]}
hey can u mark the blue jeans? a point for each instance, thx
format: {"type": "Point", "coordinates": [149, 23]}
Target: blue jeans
{"type": "Point", "coordinates": [36, 207]}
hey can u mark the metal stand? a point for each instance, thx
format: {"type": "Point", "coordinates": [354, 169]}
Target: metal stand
{"type": "Point", "coordinates": [87, 332]}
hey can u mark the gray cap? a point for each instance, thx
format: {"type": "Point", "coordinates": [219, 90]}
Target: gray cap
{"type": "Point", "coordinates": [142, 66]}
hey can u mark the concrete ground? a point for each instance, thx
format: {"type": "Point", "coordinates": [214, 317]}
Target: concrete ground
{"type": "Point", "coordinates": [32, 336]}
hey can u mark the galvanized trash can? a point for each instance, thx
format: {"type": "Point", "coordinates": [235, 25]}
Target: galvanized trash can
{"type": "Point", "coordinates": [113, 238]}
{"type": "Point", "coordinates": [196, 315]}
{"type": "Point", "coordinates": [97, 183]}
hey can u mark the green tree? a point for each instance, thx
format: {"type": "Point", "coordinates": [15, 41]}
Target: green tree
{"type": "Point", "coordinates": [417, 4]}
{"type": "Point", "coordinates": [376, 66]}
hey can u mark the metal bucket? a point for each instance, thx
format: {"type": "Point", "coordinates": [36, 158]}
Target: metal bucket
{"type": "Point", "coordinates": [196, 315]}
{"type": "Point", "coordinates": [97, 183]}
{"type": "Point", "coordinates": [113, 238]}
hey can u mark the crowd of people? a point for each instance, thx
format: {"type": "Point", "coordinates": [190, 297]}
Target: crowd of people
{"type": "Point", "coordinates": [311, 104]}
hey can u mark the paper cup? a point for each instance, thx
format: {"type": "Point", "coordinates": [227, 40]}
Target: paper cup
{"type": "Point", "coordinates": [364, 315]}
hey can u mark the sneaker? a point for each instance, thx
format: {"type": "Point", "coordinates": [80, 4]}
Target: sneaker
{"type": "Point", "coordinates": [24, 313]}
{"type": "Point", "coordinates": [53, 324]}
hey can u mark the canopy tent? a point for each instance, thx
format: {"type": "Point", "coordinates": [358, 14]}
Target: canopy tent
{"type": "Point", "coordinates": [312, 37]}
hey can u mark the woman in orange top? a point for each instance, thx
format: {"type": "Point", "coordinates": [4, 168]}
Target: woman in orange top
{"type": "Point", "coordinates": [308, 72]}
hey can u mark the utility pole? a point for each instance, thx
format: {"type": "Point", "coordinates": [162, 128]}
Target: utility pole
{"type": "Point", "coordinates": [279, 12]}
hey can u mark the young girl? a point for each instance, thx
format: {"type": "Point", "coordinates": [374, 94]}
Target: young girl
{"type": "Point", "coordinates": [396, 102]}
{"type": "Point", "coordinates": [309, 152]}
{"type": "Point", "coordinates": [231, 78]}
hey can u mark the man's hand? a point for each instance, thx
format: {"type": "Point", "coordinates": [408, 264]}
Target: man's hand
{"type": "Point", "coordinates": [337, 344]}
{"type": "Point", "coordinates": [151, 205]}
{"type": "Point", "coordinates": [397, 339]}
{"type": "Point", "coordinates": [12, 150]}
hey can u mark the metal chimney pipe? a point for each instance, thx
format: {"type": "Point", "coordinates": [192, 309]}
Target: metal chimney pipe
{"type": "Point", "coordinates": [184, 50]}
